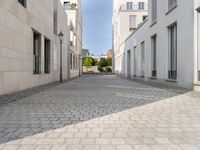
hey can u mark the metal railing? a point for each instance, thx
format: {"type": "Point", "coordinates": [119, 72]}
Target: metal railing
{"type": "Point", "coordinates": [134, 7]}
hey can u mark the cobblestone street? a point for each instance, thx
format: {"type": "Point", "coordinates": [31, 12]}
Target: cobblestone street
{"type": "Point", "coordinates": [102, 113]}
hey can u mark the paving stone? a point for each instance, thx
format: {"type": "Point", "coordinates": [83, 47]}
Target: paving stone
{"type": "Point", "coordinates": [101, 112]}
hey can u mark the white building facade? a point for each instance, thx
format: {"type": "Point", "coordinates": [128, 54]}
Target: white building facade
{"type": "Point", "coordinates": [73, 10]}
{"type": "Point", "coordinates": [166, 47]}
{"type": "Point", "coordinates": [127, 16]}
{"type": "Point", "coordinates": [29, 44]}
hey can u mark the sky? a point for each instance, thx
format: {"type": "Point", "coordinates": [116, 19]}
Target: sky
{"type": "Point", "coordinates": [97, 25]}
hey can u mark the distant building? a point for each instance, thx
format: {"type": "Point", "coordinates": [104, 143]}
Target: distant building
{"type": "Point", "coordinates": [98, 57]}
{"type": "Point", "coordinates": [86, 53]}
{"type": "Point", "coordinates": [110, 54]}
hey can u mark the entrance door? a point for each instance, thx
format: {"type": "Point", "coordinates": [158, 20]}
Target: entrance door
{"type": "Point", "coordinates": [129, 64]}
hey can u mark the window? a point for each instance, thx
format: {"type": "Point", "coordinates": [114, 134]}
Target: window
{"type": "Point", "coordinates": [144, 17]}
{"type": "Point", "coordinates": [141, 5]}
{"type": "Point", "coordinates": [55, 17]}
{"type": "Point", "coordinates": [36, 53]}
{"type": "Point", "coordinates": [129, 5]}
{"type": "Point", "coordinates": [153, 53]}
{"type": "Point", "coordinates": [154, 10]}
{"type": "Point", "coordinates": [129, 63]}
{"type": "Point", "coordinates": [198, 43]}
{"type": "Point", "coordinates": [172, 4]}
{"type": "Point", "coordinates": [67, 5]}
{"type": "Point", "coordinates": [22, 2]}
{"type": "Point", "coordinates": [132, 22]}
{"type": "Point", "coordinates": [172, 52]}
{"type": "Point", "coordinates": [71, 60]}
{"type": "Point", "coordinates": [74, 62]}
{"type": "Point", "coordinates": [135, 61]}
{"type": "Point", "coordinates": [142, 58]}
{"type": "Point", "coordinates": [47, 55]}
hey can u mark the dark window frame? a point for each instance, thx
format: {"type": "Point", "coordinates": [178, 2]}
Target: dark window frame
{"type": "Point", "coordinates": [23, 3]}
{"type": "Point", "coordinates": [47, 56]}
{"type": "Point", "coordinates": [36, 52]}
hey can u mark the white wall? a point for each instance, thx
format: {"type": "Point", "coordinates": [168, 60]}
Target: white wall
{"type": "Point", "coordinates": [121, 30]}
{"type": "Point", "coordinates": [16, 44]}
{"type": "Point", "coordinates": [183, 14]}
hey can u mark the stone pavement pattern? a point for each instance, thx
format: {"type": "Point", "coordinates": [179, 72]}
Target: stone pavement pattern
{"type": "Point", "coordinates": [102, 113]}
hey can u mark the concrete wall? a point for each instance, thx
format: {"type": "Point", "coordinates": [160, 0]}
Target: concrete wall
{"type": "Point", "coordinates": [184, 15]}
{"type": "Point", "coordinates": [16, 43]}
{"type": "Point", "coordinates": [120, 25]}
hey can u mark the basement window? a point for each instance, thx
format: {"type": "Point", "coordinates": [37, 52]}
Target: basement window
{"type": "Point", "coordinates": [22, 2]}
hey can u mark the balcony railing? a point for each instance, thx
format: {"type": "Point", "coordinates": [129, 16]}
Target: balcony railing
{"type": "Point", "coordinates": [172, 4]}
{"type": "Point", "coordinates": [135, 7]}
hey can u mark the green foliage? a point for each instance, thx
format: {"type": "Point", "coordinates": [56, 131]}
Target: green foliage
{"type": "Point", "coordinates": [93, 61]}
{"type": "Point", "coordinates": [109, 61]}
{"type": "Point", "coordinates": [104, 65]}
{"type": "Point", "coordinates": [100, 69]}
{"type": "Point", "coordinates": [108, 69]}
{"type": "Point", "coordinates": [87, 62]}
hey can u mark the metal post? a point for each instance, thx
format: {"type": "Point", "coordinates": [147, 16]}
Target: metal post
{"type": "Point", "coordinates": [61, 76]}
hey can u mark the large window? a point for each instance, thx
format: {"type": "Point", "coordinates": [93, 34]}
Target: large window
{"type": "Point", "coordinates": [132, 22]}
{"type": "Point", "coordinates": [173, 52]}
{"type": "Point", "coordinates": [74, 65]}
{"type": "Point", "coordinates": [47, 55]}
{"type": "Point", "coordinates": [22, 2]}
{"type": "Point", "coordinates": [154, 10]}
{"type": "Point", "coordinates": [71, 60]}
{"type": "Point", "coordinates": [172, 4]}
{"type": "Point", "coordinates": [142, 58]}
{"type": "Point", "coordinates": [129, 5]}
{"type": "Point", "coordinates": [198, 43]}
{"type": "Point", "coordinates": [153, 54]}
{"type": "Point", "coordinates": [135, 61]}
{"type": "Point", "coordinates": [36, 53]}
{"type": "Point", "coordinates": [141, 5]}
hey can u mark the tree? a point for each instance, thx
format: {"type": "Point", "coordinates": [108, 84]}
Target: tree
{"type": "Point", "coordinates": [109, 61]}
{"type": "Point", "coordinates": [87, 62]}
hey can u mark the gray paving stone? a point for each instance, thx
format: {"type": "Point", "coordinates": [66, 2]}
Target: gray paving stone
{"type": "Point", "coordinates": [101, 113]}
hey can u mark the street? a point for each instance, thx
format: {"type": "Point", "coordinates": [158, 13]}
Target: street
{"type": "Point", "coordinates": [105, 112]}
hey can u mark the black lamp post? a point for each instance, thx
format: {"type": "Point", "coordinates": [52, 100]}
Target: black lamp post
{"type": "Point", "coordinates": [60, 36]}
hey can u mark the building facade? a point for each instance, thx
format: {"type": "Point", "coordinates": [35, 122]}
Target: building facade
{"type": "Point", "coordinates": [127, 16]}
{"type": "Point", "coordinates": [29, 45]}
{"type": "Point", "coordinates": [73, 10]}
{"type": "Point", "coordinates": [165, 47]}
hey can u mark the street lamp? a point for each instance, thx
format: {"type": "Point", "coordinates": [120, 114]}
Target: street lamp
{"type": "Point", "coordinates": [60, 36]}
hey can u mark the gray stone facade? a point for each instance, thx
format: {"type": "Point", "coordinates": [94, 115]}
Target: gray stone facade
{"type": "Point", "coordinates": [17, 27]}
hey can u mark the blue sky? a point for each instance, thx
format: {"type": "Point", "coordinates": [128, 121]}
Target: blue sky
{"type": "Point", "coordinates": [97, 25]}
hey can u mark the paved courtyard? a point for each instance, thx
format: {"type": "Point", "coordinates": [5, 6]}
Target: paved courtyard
{"type": "Point", "coordinates": [102, 113]}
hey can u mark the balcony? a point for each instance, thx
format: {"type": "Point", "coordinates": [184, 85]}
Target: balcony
{"type": "Point", "coordinates": [135, 7]}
